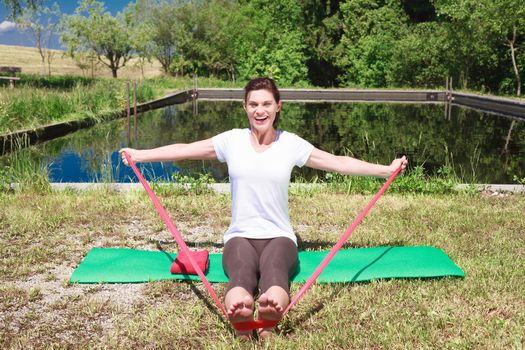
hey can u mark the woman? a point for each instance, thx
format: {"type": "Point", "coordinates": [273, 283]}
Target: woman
{"type": "Point", "coordinates": [260, 247]}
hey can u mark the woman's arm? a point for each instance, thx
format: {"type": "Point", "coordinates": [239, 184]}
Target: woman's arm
{"type": "Point", "coordinates": [350, 166]}
{"type": "Point", "coordinates": [179, 151]}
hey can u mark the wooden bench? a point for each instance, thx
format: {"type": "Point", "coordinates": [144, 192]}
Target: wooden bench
{"type": "Point", "coordinates": [11, 80]}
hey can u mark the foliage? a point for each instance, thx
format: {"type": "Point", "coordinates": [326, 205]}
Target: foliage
{"type": "Point", "coordinates": [370, 32]}
{"type": "Point", "coordinates": [429, 61]}
{"type": "Point", "coordinates": [5, 179]}
{"type": "Point", "coordinates": [41, 23]}
{"type": "Point", "coordinates": [187, 183]}
{"type": "Point", "coordinates": [364, 43]}
{"type": "Point", "coordinates": [16, 8]}
{"type": "Point", "coordinates": [273, 44]}
{"type": "Point", "coordinates": [43, 100]}
{"type": "Point", "coordinates": [367, 43]}
{"type": "Point", "coordinates": [92, 30]}
{"type": "Point", "coordinates": [26, 175]}
{"type": "Point", "coordinates": [54, 82]}
{"type": "Point", "coordinates": [153, 30]}
{"type": "Point", "coordinates": [207, 38]}
{"type": "Point", "coordinates": [518, 180]}
{"type": "Point", "coordinates": [489, 32]}
{"type": "Point", "coordinates": [322, 33]}
{"type": "Point", "coordinates": [413, 181]}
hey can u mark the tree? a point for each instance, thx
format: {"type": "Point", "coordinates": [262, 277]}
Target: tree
{"type": "Point", "coordinates": [371, 30]}
{"type": "Point", "coordinates": [211, 33]}
{"type": "Point", "coordinates": [138, 15]}
{"type": "Point", "coordinates": [322, 32]}
{"type": "Point", "coordinates": [490, 23]}
{"type": "Point", "coordinates": [15, 8]}
{"type": "Point", "coordinates": [507, 21]}
{"type": "Point", "coordinates": [91, 29]}
{"type": "Point", "coordinates": [164, 23]}
{"type": "Point", "coordinates": [423, 57]}
{"type": "Point", "coordinates": [86, 61]}
{"type": "Point", "coordinates": [155, 28]}
{"type": "Point", "coordinates": [272, 42]}
{"type": "Point", "coordinates": [41, 23]}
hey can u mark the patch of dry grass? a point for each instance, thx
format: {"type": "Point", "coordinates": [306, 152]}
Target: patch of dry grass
{"type": "Point", "coordinates": [45, 236]}
{"type": "Point", "coordinates": [30, 61]}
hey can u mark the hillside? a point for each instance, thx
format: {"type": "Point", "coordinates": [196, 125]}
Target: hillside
{"type": "Point", "coordinates": [29, 60]}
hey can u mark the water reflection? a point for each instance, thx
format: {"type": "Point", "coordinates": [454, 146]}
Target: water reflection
{"type": "Point", "coordinates": [479, 147]}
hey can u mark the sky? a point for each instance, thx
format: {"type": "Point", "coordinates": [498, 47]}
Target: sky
{"type": "Point", "coordinates": [10, 35]}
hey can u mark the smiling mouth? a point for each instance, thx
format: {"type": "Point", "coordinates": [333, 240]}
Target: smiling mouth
{"type": "Point", "coordinates": [260, 119]}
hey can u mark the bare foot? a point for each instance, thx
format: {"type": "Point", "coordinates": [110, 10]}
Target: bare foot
{"type": "Point", "coordinates": [240, 309]}
{"type": "Point", "coordinates": [271, 307]}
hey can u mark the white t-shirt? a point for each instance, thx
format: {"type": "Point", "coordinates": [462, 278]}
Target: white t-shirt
{"type": "Point", "coordinates": [259, 182]}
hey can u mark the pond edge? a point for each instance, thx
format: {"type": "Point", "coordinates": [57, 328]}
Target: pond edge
{"type": "Point", "coordinates": [225, 187]}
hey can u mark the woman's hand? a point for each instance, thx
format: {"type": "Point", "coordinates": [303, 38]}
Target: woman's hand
{"type": "Point", "coordinates": [396, 163]}
{"type": "Point", "coordinates": [133, 153]}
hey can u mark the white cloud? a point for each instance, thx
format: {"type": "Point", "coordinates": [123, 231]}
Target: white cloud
{"type": "Point", "coordinates": [6, 26]}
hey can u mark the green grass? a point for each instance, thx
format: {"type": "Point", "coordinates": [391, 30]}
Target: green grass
{"type": "Point", "coordinates": [40, 100]}
{"type": "Point", "coordinates": [29, 107]}
{"type": "Point", "coordinates": [44, 235]}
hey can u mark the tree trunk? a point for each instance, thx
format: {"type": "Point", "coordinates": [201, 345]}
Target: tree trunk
{"type": "Point", "coordinates": [113, 65]}
{"type": "Point", "coordinates": [507, 139]}
{"type": "Point", "coordinates": [511, 43]}
{"type": "Point", "coordinates": [165, 63]}
{"type": "Point", "coordinates": [38, 41]}
{"type": "Point", "coordinates": [465, 76]}
{"type": "Point", "coordinates": [49, 54]}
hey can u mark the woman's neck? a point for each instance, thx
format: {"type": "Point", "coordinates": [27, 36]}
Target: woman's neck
{"type": "Point", "coordinates": [264, 138]}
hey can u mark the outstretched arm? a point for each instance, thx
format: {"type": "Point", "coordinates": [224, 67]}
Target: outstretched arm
{"type": "Point", "coordinates": [350, 166]}
{"type": "Point", "coordinates": [179, 151]}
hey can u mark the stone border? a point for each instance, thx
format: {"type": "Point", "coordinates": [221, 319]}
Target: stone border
{"type": "Point", "coordinates": [333, 95]}
{"type": "Point", "coordinates": [490, 104]}
{"type": "Point", "coordinates": [225, 187]}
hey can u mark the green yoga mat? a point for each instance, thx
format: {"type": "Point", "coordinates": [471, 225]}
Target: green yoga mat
{"type": "Point", "coordinates": [120, 265]}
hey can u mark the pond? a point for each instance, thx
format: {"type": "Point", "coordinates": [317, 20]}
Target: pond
{"type": "Point", "coordinates": [478, 147]}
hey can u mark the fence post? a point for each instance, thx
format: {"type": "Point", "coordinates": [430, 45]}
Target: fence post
{"type": "Point", "coordinates": [134, 111]}
{"type": "Point", "coordinates": [194, 96]}
{"type": "Point", "coordinates": [128, 112]}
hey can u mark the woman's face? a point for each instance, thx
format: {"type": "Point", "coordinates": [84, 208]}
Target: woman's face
{"type": "Point", "coordinates": [261, 109]}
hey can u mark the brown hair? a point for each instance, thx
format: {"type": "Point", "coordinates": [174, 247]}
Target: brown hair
{"type": "Point", "coordinates": [264, 84]}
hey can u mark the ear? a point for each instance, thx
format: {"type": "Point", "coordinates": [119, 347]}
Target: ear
{"type": "Point", "coordinates": [244, 106]}
{"type": "Point", "coordinates": [279, 105]}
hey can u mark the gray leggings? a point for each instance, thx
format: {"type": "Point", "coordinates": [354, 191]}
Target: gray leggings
{"type": "Point", "coordinates": [269, 261]}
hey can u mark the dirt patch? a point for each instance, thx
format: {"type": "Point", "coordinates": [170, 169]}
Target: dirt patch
{"type": "Point", "coordinates": [54, 287]}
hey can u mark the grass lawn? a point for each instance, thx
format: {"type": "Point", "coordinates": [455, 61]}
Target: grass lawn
{"type": "Point", "coordinates": [44, 236]}
{"type": "Point", "coordinates": [30, 61]}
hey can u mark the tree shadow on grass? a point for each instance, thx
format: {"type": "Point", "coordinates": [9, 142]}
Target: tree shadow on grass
{"type": "Point", "coordinates": [327, 245]}
{"type": "Point", "coordinates": [302, 245]}
{"type": "Point", "coordinates": [208, 302]}
{"type": "Point", "coordinates": [288, 325]}
{"type": "Point", "coordinates": [206, 299]}
{"type": "Point", "coordinates": [160, 243]}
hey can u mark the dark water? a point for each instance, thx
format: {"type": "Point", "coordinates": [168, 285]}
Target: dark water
{"type": "Point", "coordinates": [480, 148]}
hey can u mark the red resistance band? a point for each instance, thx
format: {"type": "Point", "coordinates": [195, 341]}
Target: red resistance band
{"type": "Point", "coordinates": [256, 324]}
